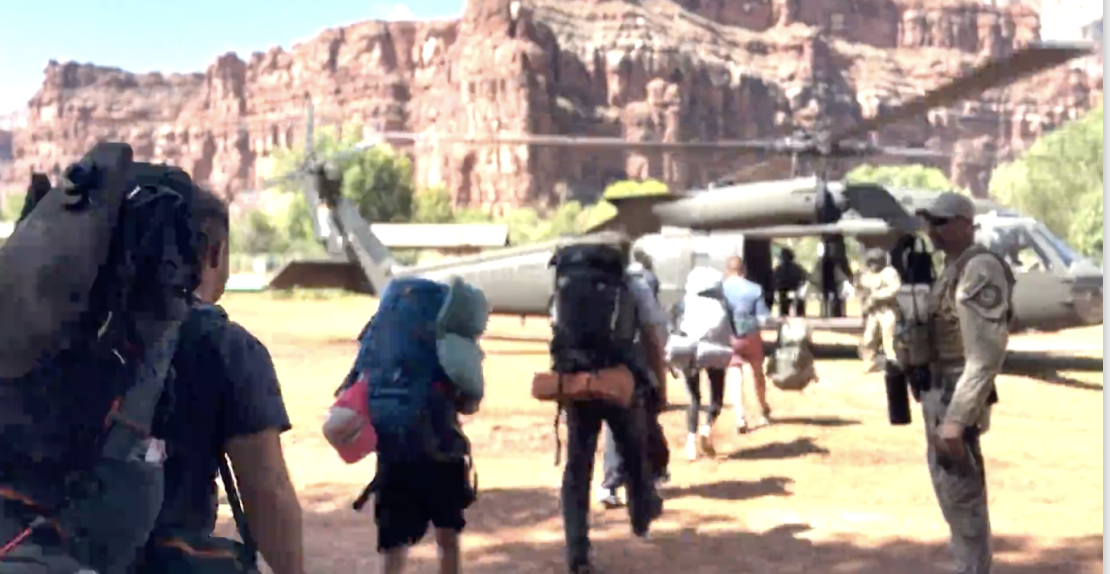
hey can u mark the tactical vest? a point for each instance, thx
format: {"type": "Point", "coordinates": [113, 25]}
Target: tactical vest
{"type": "Point", "coordinates": [948, 341]}
{"type": "Point", "coordinates": [872, 281]}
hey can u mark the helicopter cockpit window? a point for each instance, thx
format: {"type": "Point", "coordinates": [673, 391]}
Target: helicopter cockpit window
{"type": "Point", "coordinates": [1017, 247]}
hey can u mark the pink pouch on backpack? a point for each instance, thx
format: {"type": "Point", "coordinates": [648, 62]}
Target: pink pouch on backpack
{"type": "Point", "coordinates": [348, 428]}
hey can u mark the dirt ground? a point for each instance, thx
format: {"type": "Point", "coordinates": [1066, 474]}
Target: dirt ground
{"type": "Point", "coordinates": [831, 487]}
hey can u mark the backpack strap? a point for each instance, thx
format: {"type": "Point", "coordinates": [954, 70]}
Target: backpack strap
{"type": "Point", "coordinates": [238, 514]}
{"type": "Point", "coordinates": [559, 410]}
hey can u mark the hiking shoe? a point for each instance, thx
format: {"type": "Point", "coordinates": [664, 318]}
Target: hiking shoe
{"type": "Point", "coordinates": [692, 447]}
{"type": "Point", "coordinates": [705, 441]}
{"type": "Point", "coordinates": [611, 500]}
{"type": "Point", "coordinates": [764, 419]}
{"type": "Point", "coordinates": [585, 568]}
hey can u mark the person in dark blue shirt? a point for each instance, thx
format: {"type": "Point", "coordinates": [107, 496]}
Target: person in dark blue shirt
{"type": "Point", "coordinates": [226, 399]}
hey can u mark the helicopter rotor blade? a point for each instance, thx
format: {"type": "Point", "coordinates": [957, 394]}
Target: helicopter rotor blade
{"type": "Point", "coordinates": [910, 153]}
{"type": "Point", "coordinates": [545, 140]}
{"type": "Point", "coordinates": [1028, 60]}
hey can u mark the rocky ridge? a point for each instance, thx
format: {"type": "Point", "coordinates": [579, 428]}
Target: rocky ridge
{"type": "Point", "coordinates": [644, 70]}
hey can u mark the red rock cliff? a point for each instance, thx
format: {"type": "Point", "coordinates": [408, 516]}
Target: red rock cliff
{"type": "Point", "coordinates": [651, 70]}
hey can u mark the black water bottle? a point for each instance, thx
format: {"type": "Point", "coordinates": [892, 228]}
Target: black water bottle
{"type": "Point", "coordinates": [897, 396]}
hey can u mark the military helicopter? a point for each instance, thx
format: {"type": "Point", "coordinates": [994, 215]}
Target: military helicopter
{"type": "Point", "coordinates": [681, 231]}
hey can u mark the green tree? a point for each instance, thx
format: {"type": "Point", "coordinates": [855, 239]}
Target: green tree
{"type": "Point", "coordinates": [914, 176]}
{"type": "Point", "coordinates": [11, 203]}
{"type": "Point", "coordinates": [378, 180]}
{"type": "Point", "coordinates": [1059, 181]}
{"type": "Point", "coordinates": [630, 187]}
{"type": "Point", "coordinates": [433, 205]}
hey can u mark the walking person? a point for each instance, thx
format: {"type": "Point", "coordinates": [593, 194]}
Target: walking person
{"type": "Point", "coordinates": [749, 313]}
{"type": "Point", "coordinates": [701, 342]}
{"type": "Point", "coordinates": [658, 453]}
{"type": "Point", "coordinates": [228, 405]}
{"type": "Point", "coordinates": [593, 286]}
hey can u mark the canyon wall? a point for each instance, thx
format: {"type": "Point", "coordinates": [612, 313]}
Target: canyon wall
{"type": "Point", "coordinates": [650, 70]}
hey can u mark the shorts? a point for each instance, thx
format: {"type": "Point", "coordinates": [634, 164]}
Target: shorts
{"type": "Point", "coordinates": [747, 349]}
{"type": "Point", "coordinates": [410, 495]}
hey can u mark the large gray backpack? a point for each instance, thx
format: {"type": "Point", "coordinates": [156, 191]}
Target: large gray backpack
{"type": "Point", "coordinates": [94, 283]}
{"type": "Point", "coordinates": [792, 365]}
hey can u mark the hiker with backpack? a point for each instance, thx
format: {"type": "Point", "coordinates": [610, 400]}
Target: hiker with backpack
{"type": "Point", "coordinates": [749, 313]}
{"type": "Point", "coordinates": [94, 284]}
{"type": "Point", "coordinates": [419, 366]}
{"type": "Point", "coordinates": [701, 342]}
{"type": "Point", "coordinates": [226, 404]}
{"type": "Point", "coordinates": [659, 456]}
{"type": "Point", "coordinates": [600, 375]}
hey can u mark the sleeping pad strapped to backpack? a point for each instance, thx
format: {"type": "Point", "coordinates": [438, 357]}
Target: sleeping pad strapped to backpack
{"type": "Point", "coordinates": [94, 284]}
{"type": "Point", "coordinates": [595, 311]}
{"type": "Point", "coordinates": [410, 396]}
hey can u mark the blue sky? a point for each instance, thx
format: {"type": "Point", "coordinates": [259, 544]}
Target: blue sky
{"type": "Point", "coordinates": [147, 35]}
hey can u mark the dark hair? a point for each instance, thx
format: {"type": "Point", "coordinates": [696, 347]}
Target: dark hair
{"type": "Point", "coordinates": [40, 186]}
{"type": "Point", "coordinates": [210, 219]}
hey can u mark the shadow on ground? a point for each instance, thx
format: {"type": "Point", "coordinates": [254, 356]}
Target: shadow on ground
{"type": "Point", "coordinates": [796, 448]}
{"type": "Point", "coordinates": [1039, 365]}
{"type": "Point", "coordinates": [517, 531]}
{"type": "Point", "coordinates": [732, 489]}
{"type": "Point", "coordinates": [823, 422]}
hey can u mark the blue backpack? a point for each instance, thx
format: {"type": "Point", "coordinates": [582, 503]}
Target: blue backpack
{"type": "Point", "coordinates": [411, 398]}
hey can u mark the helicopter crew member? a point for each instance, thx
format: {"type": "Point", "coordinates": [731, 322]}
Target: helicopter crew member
{"type": "Point", "coordinates": [790, 284]}
{"type": "Point", "coordinates": [830, 274]}
{"type": "Point", "coordinates": [878, 288]}
{"type": "Point", "coordinates": [970, 311]}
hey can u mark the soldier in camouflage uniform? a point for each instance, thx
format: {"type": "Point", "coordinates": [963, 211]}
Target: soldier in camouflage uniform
{"type": "Point", "coordinates": [878, 287]}
{"type": "Point", "coordinates": [970, 310]}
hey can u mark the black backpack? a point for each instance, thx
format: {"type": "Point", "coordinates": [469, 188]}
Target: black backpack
{"type": "Point", "coordinates": [94, 283]}
{"type": "Point", "coordinates": [595, 312]}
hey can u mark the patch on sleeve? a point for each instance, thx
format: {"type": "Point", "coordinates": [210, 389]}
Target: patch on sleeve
{"type": "Point", "coordinates": [984, 296]}
{"type": "Point", "coordinates": [989, 297]}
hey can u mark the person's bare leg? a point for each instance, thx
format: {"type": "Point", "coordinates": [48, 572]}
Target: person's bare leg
{"type": "Point", "coordinates": [760, 383]}
{"type": "Point", "coordinates": [394, 560]}
{"type": "Point", "coordinates": [447, 543]}
{"type": "Point", "coordinates": [735, 382]}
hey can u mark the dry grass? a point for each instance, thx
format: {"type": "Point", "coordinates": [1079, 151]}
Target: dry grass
{"type": "Point", "coordinates": [830, 488]}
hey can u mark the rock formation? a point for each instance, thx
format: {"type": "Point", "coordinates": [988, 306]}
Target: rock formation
{"type": "Point", "coordinates": [663, 70]}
